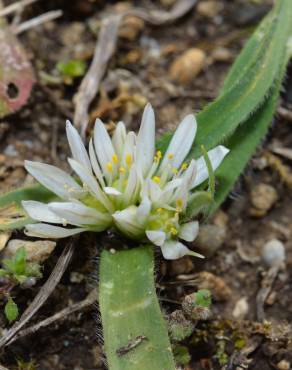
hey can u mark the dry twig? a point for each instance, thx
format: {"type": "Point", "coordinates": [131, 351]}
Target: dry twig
{"type": "Point", "coordinates": [263, 293]}
{"type": "Point", "coordinates": [34, 22]}
{"type": "Point", "coordinates": [15, 7]}
{"type": "Point", "coordinates": [88, 301]}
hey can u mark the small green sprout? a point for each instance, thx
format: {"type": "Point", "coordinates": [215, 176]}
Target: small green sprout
{"type": "Point", "coordinates": [23, 365]}
{"type": "Point", "coordinates": [71, 69]}
{"type": "Point", "coordinates": [196, 306]}
{"type": "Point", "coordinates": [181, 355]}
{"type": "Point", "coordinates": [203, 298]}
{"type": "Point", "coordinates": [18, 269]}
{"type": "Point", "coordinates": [11, 310]}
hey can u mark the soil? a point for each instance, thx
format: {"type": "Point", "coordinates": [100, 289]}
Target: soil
{"type": "Point", "coordinates": [139, 72]}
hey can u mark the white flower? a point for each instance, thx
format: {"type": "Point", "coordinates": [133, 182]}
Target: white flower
{"type": "Point", "coordinates": [124, 183]}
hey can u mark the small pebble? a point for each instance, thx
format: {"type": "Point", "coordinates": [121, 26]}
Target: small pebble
{"type": "Point", "coordinates": [222, 55]}
{"type": "Point", "coordinates": [188, 65]}
{"type": "Point", "coordinates": [273, 253]}
{"type": "Point", "coordinates": [241, 308]}
{"type": "Point", "coordinates": [262, 197]}
{"type": "Point", "coordinates": [183, 265]}
{"type": "Point", "coordinates": [37, 251]}
{"type": "Point", "coordinates": [76, 277]}
{"type": "Point", "coordinates": [218, 287]}
{"type": "Point", "coordinates": [283, 365]}
{"type": "Point", "coordinates": [210, 239]}
{"type": "Point", "coordinates": [209, 8]}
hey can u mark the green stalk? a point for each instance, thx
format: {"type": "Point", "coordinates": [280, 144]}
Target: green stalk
{"type": "Point", "coordinates": [135, 333]}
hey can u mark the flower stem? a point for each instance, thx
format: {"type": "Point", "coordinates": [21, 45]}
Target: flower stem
{"type": "Point", "coordinates": [135, 333]}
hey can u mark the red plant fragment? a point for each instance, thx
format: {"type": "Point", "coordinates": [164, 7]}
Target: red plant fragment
{"type": "Point", "coordinates": [16, 74]}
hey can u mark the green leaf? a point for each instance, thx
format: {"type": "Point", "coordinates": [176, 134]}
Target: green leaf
{"type": "Point", "coordinates": [245, 141]}
{"type": "Point", "coordinates": [203, 298]}
{"type": "Point", "coordinates": [11, 310]}
{"type": "Point", "coordinates": [73, 68]}
{"type": "Point", "coordinates": [20, 261]}
{"type": "Point", "coordinates": [135, 333]}
{"type": "Point", "coordinates": [181, 355]}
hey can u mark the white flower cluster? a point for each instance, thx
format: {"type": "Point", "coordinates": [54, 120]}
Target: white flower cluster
{"type": "Point", "coordinates": [124, 183]}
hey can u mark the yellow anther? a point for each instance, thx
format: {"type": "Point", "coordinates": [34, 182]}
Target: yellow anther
{"type": "Point", "coordinates": [173, 231]}
{"type": "Point", "coordinates": [184, 166]}
{"type": "Point", "coordinates": [158, 154]}
{"type": "Point", "coordinates": [115, 158]}
{"type": "Point", "coordinates": [174, 170]}
{"type": "Point", "coordinates": [156, 179]}
{"type": "Point", "coordinates": [170, 156]}
{"type": "Point", "coordinates": [109, 166]}
{"type": "Point", "coordinates": [129, 159]}
{"type": "Point", "coordinates": [179, 204]}
{"type": "Point", "coordinates": [122, 170]}
{"type": "Point", "coordinates": [159, 210]}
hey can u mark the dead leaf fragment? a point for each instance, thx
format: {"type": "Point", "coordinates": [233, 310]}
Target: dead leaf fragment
{"type": "Point", "coordinates": [4, 237]}
{"type": "Point", "coordinates": [16, 74]}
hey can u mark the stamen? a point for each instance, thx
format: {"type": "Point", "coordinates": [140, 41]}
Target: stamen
{"type": "Point", "coordinates": [129, 159]}
{"type": "Point", "coordinates": [64, 222]}
{"type": "Point", "coordinates": [158, 154]}
{"type": "Point", "coordinates": [184, 166]}
{"type": "Point", "coordinates": [179, 204]}
{"type": "Point", "coordinates": [174, 170]}
{"type": "Point", "coordinates": [156, 179]}
{"type": "Point", "coordinates": [115, 158]}
{"type": "Point", "coordinates": [170, 156]}
{"type": "Point", "coordinates": [159, 210]}
{"type": "Point", "coordinates": [173, 231]}
{"type": "Point", "coordinates": [122, 170]}
{"type": "Point", "coordinates": [109, 166]}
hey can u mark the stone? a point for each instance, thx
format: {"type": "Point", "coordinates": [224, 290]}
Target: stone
{"type": "Point", "coordinates": [241, 308]}
{"type": "Point", "coordinates": [36, 251]}
{"type": "Point", "coordinates": [210, 239]}
{"type": "Point", "coordinates": [263, 197]}
{"type": "Point", "coordinates": [187, 66]}
{"type": "Point", "coordinates": [273, 253]}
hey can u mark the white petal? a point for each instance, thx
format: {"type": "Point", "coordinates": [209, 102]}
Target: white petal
{"type": "Point", "coordinates": [154, 191]}
{"type": "Point", "coordinates": [76, 145]}
{"type": "Point", "coordinates": [119, 138]}
{"type": "Point", "coordinates": [128, 223]}
{"type": "Point", "coordinates": [189, 231]}
{"type": "Point", "coordinates": [95, 165]}
{"type": "Point", "coordinates": [146, 140]}
{"type": "Point", "coordinates": [144, 210]}
{"type": "Point", "coordinates": [88, 179]}
{"type": "Point", "coordinates": [181, 142]}
{"type": "Point", "coordinates": [156, 237]}
{"type": "Point", "coordinates": [40, 212]}
{"type": "Point", "coordinates": [167, 192]}
{"type": "Point", "coordinates": [173, 250]}
{"type": "Point", "coordinates": [50, 231]}
{"type": "Point", "coordinates": [56, 180]}
{"type": "Point", "coordinates": [103, 145]}
{"type": "Point", "coordinates": [111, 191]}
{"type": "Point", "coordinates": [216, 156]}
{"type": "Point", "coordinates": [182, 191]}
{"type": "Point", "coordinates": [79, 214]}
{"type": "Point", "coordinates": [129, 147]}
{"type": "Point", "coordinates": [132, 187]}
